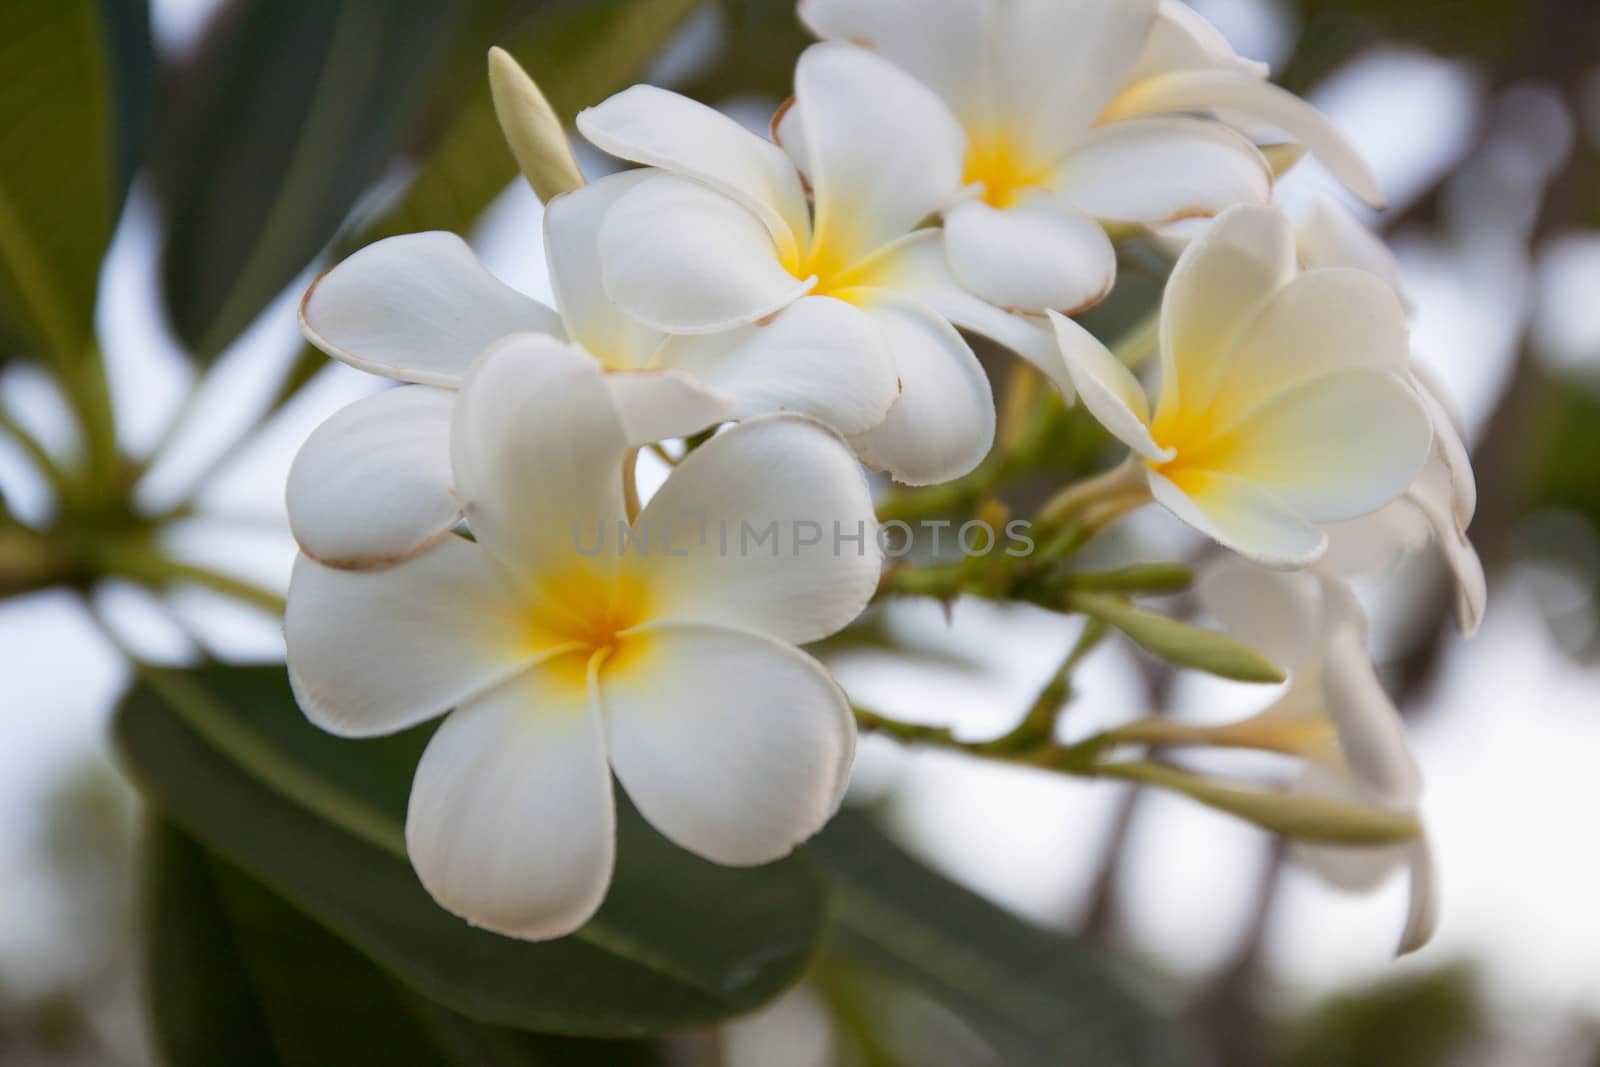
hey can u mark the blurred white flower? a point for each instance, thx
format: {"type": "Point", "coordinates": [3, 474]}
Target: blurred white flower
{"type": "Point", "coordinates": [720, 237]}
{"type": "Point", "coordinates": [1081, 116]}
{"type": "Point", "coordinates": [1334, 713]}
{"type": "Point", "coordinates": [673, 664]}
{"type": "Point", "coordinates": [1284, 398]}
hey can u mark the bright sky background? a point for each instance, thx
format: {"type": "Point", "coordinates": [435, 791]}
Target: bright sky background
{"type": "Point", "coordinates": [1508, 740]}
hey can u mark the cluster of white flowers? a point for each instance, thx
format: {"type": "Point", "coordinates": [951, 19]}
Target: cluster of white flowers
{"type": "Point", "coordinates": [948, 166]}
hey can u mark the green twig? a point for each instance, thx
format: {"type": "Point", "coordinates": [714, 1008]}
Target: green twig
{"type": "Point", "coordinates": [1293, 815]}
{"type": "Point", "coordinates": [142, 564]}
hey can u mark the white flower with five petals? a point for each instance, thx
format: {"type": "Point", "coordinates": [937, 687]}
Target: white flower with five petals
{"type": "Point", "coordinates": [372, 486]}
{"type": "Point", "coordinates": [1334, 713]}
{"type": "Point", "coordinates": [721, 237]}
{"type": "Point", "coordinates": [1284, 400]}
{"type": "Point", "coordinates": [1080, 115]}
{"type": "Point", "coordinates": [672, 665]}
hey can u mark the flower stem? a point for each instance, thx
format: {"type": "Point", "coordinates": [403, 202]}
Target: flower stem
{"type": "Point", "coordinates": [630, 483]}
{"type": "Point", "coordinates": [1141, 342]}
{"type": "Point", "coordinates": [1292, 815]}
{"type": "Point", "coordinates": [143, 564]}
{"type": "Point", "coordinates": [1103, 498]}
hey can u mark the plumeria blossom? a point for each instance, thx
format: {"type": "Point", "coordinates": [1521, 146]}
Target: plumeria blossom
{"type": "Point", "coordinates": [1284, 397]}
{"type": "Point", "coordinates": [567, 658]}
{"type": "Point", "coordinates": [1439, 505]}
{"type": "Point", "coordinates": [371, 486]}
{"type": "Point", "coordinates": [1334, 713]}
{"type": "Point", "coordinates": [1081, 116]}
{"type": "Point", "coordinates": [721, 237]}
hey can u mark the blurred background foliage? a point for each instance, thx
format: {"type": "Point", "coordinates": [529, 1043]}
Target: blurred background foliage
{"type": "Point", "coordinates": [275, 922]}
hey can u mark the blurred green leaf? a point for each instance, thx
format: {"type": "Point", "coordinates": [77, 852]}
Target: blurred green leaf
{"type": "Point", "coordinates": [290, 110]}
{"type": "Point", "coordinates": [1422, 1020]}
{"type": "Point", "coordinates": [763, 38]}
{"type": "Point", "coordinates": [1039, 997]}
{"type": "Point", "coordinates": [579, 55]}
{"type": "Point", "coordinates": [56, 174]}
{"type": "Point", "coordinates": [678, 943]}
{"type": "Point", "coordinates": [237, 976]}
{"type": "Point", "coordinates": [133, 63]}
{"type": "Point", "coordinates": [1178, 642]}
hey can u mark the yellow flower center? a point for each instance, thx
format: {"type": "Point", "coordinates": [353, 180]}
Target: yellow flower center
{"type": "Point", "coordinates": [584, 616]}
{"type": "Point", "coordinates": [1196, 439]}
{"type": "Point", "coordinates": [835, 260]}
{"type": "Point", "coordinates": [1006, 170]}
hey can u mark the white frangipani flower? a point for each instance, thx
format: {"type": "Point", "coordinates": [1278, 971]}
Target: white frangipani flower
{"type": "Point", "coordinates": [565, 659]}
{"type": "Point", "coordinates": [1079, 117]}
{"type": "Point", "coordinates": [1284, 401]}
{"type": "Point", "coordinates": [371, 486]}
{"type": "Point", "coordinates": [721, 237]}
{"type": "Point", "coordinates": [1334, 713]}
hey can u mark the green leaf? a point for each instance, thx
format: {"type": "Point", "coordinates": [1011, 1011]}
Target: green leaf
{"type": "Point", "coordinates": [289, 112]}
{"type": "Point", "coordinates": [679, 942]}
{"type": "Point", "coordinates": [1040, 998]}
{"type": "Point", "coordinates": [238, 976]}
{"type": "Point", "coordinates": [578, 55]}
{"type": "Point", "coordinates": [1178, 642]}
{"type": "Point", "coordinates": [133, 63]}
{"type": "Point", "coordinates": [56, 185]}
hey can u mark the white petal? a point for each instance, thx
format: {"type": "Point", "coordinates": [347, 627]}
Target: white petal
{"type": "Point", "coordinates": [734, 746]}
{"type": "Point", "coordinates": [371, 486]}
{"type": "Point", "coordinates": [1160, 170]}
{"type": "Point", "coordinates": [917, 266]}
{"type": "Point", "coordinates": [660, 404]}
{"type": "Point", "coordinates": [1040, 255]}
{"type": "Point", "coordinates": [1278, 613]}
{"type": "Point", "coordinates": [510, 823]}
{"type": "Point", "coordinates": [1057, 63]}
{"type": "Point", "coordinates": [883, 151]}
{"type": "Point", "coordinates": [1240, 516]}
{"type": "Point", "coordinates": [1432, 497]}
{"type": "Point", "coordinates": [375, 652]}
{"type": "Point", "coordinates": [1332, 236]}
{"type": "Point", "coordinates": [1322, 321]}
{"type": "Point", "coordinates": [418, 307]}
{"type": "Point", "coordinates": [819, 357]}
{"type": "Point", "coordinates": [1456, 492]}
{"type": "Point", "coordinates": [1472, 586]}
{"type": "Point", "coordinates": [683, 258]}
{"type": "Point", "coordinates": [536, 448]}
{"type": "Point", "coordinates": [1181, 39]}
{"type": "Point", "coordinates": [1372, 738]}
{"type": "Point", "coordinates": [943, 424]}
{"type": "Point", "coordinates": [1244, 257]}
{"type": "Point", "coordinates": [1331, 448]}
{"type": "Point", "coordinates": [1233, 91]}
{"type": "Point", "coordinates": [572, 250]}
{"type": "Point", "coordinates": [658, 128]}
{"type": "Point", "coordinates": [709, 558]}
{"type": "Point", "coordinates": [1422, 910]}
{"type": "Point", "coordinates": [1108, 388]}
{"type": "Point", "coordinates": [939, 42]}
